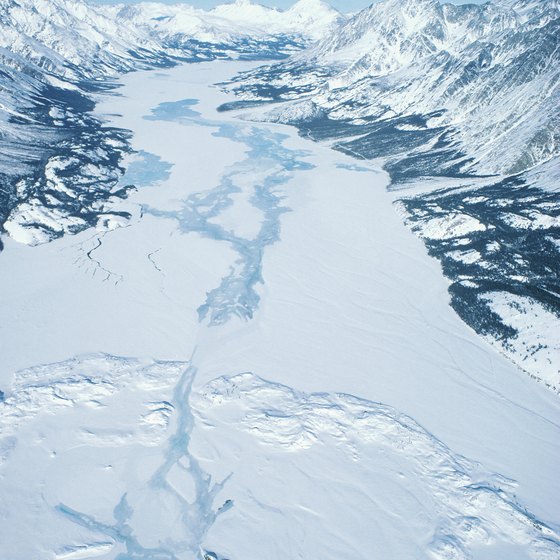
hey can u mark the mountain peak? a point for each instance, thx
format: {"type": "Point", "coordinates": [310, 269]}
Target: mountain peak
{"type": "Point", "coordinates": [243, 9]}
{"type": "Point", "coordinates": [312, 8]}
{"type": "Point", "coordinates": [311, 4]}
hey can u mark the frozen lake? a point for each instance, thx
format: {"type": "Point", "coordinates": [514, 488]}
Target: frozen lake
{"type": "Point", "coordinates": [261, 362]}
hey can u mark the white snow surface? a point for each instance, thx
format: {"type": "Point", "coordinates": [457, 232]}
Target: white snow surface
{"type": "Point", "coordinates": [329, 403]}
{"type": "Point", "coordinates": [454, 225]}
{"type": "Point", "coordinates": [536, 348]}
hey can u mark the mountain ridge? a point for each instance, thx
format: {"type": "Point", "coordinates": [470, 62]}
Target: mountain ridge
{"type": "Point", "coordinates": [486, 69]}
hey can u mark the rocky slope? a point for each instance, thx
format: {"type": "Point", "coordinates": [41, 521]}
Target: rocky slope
{"type": "Point", "coordinates": [468, 88]}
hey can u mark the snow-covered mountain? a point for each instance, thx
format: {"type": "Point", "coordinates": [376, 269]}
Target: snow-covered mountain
{"type": "Point", "coordinates": [232, 25]}
{"type": "Point", "coordinates": [56, 53]}
{"type": "Point", "coordinates": [88, 40]}
{"type": "Point", "coordinates": [487, 75]}
{"type": "Point", "coordinates": [73, 39]}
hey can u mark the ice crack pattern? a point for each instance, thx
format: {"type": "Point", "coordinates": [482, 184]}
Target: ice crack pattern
{"type": "Point", "coordinates": [196, 516]}
{"type": "Point", "coordinates": [90, 386]}
{"type": "Point", "coordinates": [268, 166]}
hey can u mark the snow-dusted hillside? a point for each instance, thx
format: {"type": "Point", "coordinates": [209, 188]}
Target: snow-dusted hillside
{"type": "Point", "coordinates": [486, 75]}
{"type": "Point", "coordinates": [58, 165]}
{"type": "Point", "coordinates": [73, 39]}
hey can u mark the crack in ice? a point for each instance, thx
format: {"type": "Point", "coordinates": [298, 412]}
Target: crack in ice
{"type": "Point", "coordinates": [197, 516]}
{"type": "Point", "coordinates": [81, 261]}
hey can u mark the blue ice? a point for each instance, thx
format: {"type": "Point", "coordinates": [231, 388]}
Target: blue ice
{"type": "Point", "coordinates": [173, 110]}
{"type": "Point", "coordinates": [236, 295]}
{"type": "Point", "coordinates": [146, 170]}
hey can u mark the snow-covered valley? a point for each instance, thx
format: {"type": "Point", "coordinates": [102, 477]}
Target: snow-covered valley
{"type": "Point", "coordinates": [261, 361]}
{"type": "Point", "coordinates": [279, 283]}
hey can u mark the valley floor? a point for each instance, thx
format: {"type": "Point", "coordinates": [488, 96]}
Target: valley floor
{"type": "Point", "coordinates": [262, 363]}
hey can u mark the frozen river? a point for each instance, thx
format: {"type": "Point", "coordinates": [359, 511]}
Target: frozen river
{"type": "Point", "coordinates": [261, 362]}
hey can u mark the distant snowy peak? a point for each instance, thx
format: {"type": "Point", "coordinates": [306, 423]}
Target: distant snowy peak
{"type": "Point", "coordinates": [309, 19]}
{"type": "Point", "coordinates": [315, 17]}
{"type": "Point", "coordinates": [244, 10]}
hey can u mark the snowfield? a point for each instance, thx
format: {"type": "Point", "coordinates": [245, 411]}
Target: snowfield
{"type": "Point", "coordinates": [260, 362]}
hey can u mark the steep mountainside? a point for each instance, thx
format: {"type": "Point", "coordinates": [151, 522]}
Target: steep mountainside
{"type": "Point", "coordinates": [481, 79]}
